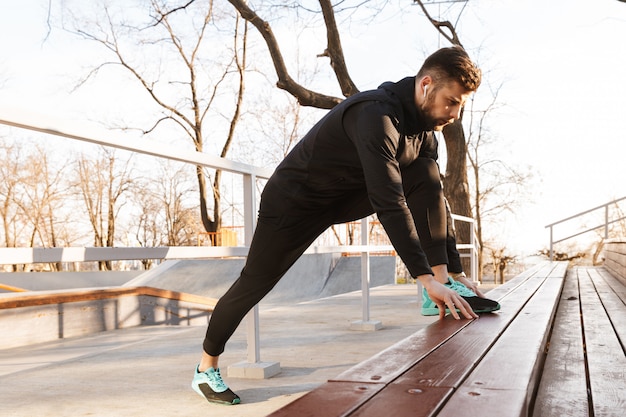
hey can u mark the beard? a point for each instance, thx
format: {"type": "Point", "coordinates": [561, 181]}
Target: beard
{"type": "Point", "coordinates": [430, 121]}
{"type": "Point", "coordinates": [433, 123]}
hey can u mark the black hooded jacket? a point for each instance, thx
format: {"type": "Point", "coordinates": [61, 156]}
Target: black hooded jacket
{"type": "Point", "coordinates": [360, 146]}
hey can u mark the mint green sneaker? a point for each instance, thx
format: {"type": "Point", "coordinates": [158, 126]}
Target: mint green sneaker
{"type": "Point", "coordinates": [478, 304]}
{"type": "Point", "coordinates": [210, 386]}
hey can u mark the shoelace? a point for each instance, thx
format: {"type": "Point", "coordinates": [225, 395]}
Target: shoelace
{"type": "Point", "coordinates": [461, 289]}
{"type": "Point", "coordinates": [216, 379]}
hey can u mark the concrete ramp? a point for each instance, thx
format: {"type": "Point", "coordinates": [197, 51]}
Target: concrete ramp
{"type": "Point", "coordinates": [346, 276]}
{"type": "Point", "coordinates": [312, 276]}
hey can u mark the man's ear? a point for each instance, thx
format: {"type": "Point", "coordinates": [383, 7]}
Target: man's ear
{"type": "Point", "coordinates": [425, 82]}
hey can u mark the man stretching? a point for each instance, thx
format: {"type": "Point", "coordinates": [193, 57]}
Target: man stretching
{"type": "Point", "coordinates": [365, 156]}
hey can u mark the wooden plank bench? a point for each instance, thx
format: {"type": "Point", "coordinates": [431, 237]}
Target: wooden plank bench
{"type": "Point", "coordinates": [585, 370]}
{"type": "Point", "coordinates": [491, 366]}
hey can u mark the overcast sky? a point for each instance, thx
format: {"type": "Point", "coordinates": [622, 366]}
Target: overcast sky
{"type": "Point", "coordinates": [562, 65]}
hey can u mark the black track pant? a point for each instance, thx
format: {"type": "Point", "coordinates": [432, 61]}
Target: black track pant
{"type": "Point", "coordinates": [280, 238]}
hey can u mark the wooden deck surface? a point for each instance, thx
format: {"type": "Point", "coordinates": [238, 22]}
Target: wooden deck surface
{"type": "Point", "coordinates": [585, 370]}
{"type": "Point", "coordinates": [555, 349]}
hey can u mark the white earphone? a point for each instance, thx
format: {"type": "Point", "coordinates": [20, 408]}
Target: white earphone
{"type": "Point", "coordinates": [425, 88]}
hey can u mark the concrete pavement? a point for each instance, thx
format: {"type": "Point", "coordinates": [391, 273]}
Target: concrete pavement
{"type": "Point", "coordinates": [147, 371]}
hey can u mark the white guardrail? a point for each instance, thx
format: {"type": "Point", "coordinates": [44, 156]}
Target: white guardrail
{"type": "Point", "coordinates": [608, 220]}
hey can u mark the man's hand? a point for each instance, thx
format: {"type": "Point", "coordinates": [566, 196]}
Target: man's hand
{"type": "Point", "coordinates": [469, 284]}
{"type": "Point", "coordinates": [443, 296]}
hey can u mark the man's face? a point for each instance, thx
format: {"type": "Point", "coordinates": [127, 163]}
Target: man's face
{"type": "Point", "coordinates": [442, 104]}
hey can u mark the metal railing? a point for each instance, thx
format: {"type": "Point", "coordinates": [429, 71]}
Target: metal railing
{"type": "Point", "coordinates": [608, 220]}
{"type": "Point", "coordinates": [249, 173]}
{"type": "Point", "coordinates": [473, 247]}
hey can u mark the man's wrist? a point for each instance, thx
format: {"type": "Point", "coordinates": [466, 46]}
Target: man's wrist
{"type": "Point", "coordinates": [426, 279]}
{"type": "Point", "coordinates": [457, 275]}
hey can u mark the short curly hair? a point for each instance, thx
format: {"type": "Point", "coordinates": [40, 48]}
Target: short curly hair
{"type": "Point", "coordinates": [452, 64]}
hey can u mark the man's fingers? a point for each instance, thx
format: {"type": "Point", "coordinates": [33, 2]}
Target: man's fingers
{"type": "Point", "coordinates": [452, 306]}
{"type": "Point", "coordinates": [466, 309]}
{"type": "Point", "coordinates": [447, 299]}
{"type": "Point", "coordinates": [449, 303]}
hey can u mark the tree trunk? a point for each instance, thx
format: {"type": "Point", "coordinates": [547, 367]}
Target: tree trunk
{"type": "Point", "coordinates": [455, 182]}
{"type": "Point", "coordinates": [207, 222]}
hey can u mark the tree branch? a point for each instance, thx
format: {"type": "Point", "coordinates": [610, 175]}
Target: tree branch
{"type": "Point", "coordinates": [304, 96]}
{"type": "Point", "coordinates": [174, 10]}
{"type": "Point", "coordinates": [335, 52]}
{"type": "Point", "coordinates": [450, 34]}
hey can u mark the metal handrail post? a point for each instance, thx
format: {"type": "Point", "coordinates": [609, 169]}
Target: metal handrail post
{"type": "Point", "coordinates": [472, 245]}
{"type": "Point", "coordinates": [365, 271]}
{"type": "Point", "coordinates": [606, 222]}
{"type": "Point", "coordinates": [252, 318]}
{"type": "Point", "coordinates": [474, 257]}
{"type": "Point", "coordinates": [551, 242]}
{"type": "Point", "coordinates": [365, 323]}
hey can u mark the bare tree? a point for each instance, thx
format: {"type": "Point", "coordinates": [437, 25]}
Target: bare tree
{"type": "Point", "coordinates": [500, 261]}
{"type": "Point", "coordinates": [102, 186]}
{"type": "Point", "coordinates": [278, 119]}
{"type": "Point", "coordinates": [334, 51]}
{"type": "Point", "coordinates": [10, 176]}
{"type": "Point", "coordinates": [179, 36]}
{"type": "Point", "coordinates": [165, 215]}
{"type": "Point", "coordinates": [33, 195]}
{"type": "Point", "coordinates": [455, 180]}
{"type": "Point", "coordinates": [240, 57]}
{"type": "Point", "coordinates": [147, 228]}
{"type": "Point", "coordinates": [42, 199]}
{"type": "Point", "coordinates": [176, 212]}
{"type": "Point", "coordinates": [497, 185]}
